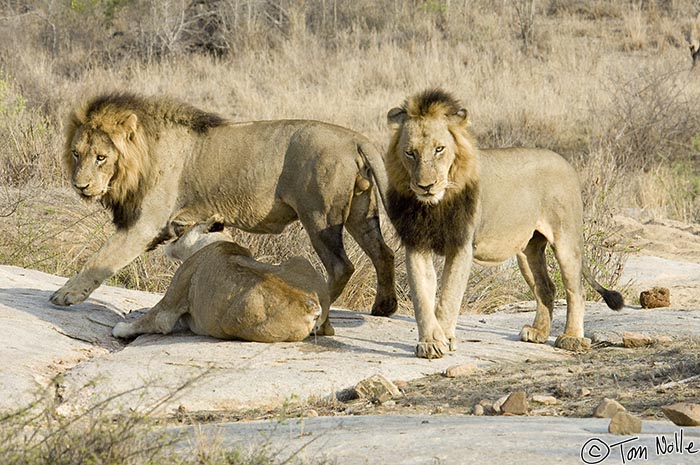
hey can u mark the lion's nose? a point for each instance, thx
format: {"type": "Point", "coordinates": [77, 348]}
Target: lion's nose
{"type": "Point", "coordinates": [81, 187]}
{"type": "Point", "coordinates": [426, 187]}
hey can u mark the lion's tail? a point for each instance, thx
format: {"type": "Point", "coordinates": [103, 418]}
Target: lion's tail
{"type": "Point", "coordinates": [374, 161]}
{"type": "Point", "coordinates": [613, 298]}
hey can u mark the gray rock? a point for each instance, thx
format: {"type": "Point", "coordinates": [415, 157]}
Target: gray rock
{"type": "Point", "coordinates": [376, 388]}
{"type": "Point", "coordinates": [499, 403]}
{"type": "Point", "coordinates": [606, 338]}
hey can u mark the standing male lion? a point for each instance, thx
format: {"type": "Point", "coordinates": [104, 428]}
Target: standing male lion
{"type": "Point", "coordinates": [155, 160]}
{"type": "Point", "coordinates": [447, 197]}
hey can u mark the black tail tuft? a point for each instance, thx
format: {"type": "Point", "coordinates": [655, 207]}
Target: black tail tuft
{"type": "Point", "coordinates": [613, 298]}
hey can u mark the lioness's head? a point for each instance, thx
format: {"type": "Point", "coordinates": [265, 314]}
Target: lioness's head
{"type": "Point", "coordinates": [432, 154]}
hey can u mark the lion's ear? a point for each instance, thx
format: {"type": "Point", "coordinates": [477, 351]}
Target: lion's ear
{"type": "Point", "coordinates": [130, 124]}
{"type": "Point", "coordinates": [461, 117]}
{"type": "Point", "coordinates": [396, 117]}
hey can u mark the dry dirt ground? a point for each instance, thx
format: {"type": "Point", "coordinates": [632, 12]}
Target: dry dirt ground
{"type": "Point", "coordinates": [641, 379]}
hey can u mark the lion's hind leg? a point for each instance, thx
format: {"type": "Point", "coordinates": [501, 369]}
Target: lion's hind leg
{"type": "Point", "coordinates": [533, 266]}
{"type": "Point", "coordinates": [568, 254]}
{"type": "Point", "coordinates": [363, 225]}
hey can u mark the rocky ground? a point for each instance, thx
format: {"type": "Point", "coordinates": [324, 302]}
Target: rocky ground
{"type": "Point", "coordinates": [188, 379]}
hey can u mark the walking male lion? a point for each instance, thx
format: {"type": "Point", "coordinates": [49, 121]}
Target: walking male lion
{"type": "Point", "coordinates": [447, 197]}
{"type": "Point", "coordinates": [220, 290]}
{"type": "Point", "coordinates": [151, 160]}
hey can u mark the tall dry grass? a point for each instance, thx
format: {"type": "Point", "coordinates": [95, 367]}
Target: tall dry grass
{"type": "Point", "coordinates": [606, 83]}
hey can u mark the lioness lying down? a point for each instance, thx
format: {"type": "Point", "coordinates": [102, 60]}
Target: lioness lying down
{"type": "Point", "coordinates": [220, 290]}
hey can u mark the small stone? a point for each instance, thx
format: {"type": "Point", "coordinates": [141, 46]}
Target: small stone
{"type": "Point", "coordinates": [499, 403]}
{"type": "Point", "coordinates": [636, 340]}
{"type": "Point", "coordinates": [457, 371]}
{"type": "Point", "coordinates": [625, 423]}
{"type": "Point", "coordinates": [584, 392]}
{"type": "Point", "coordinates": [488, 407]}
{"type": "Point", "coordinates": [478, 410]}
{"type": "Point", "coordinates": [516, 404]}
{"type": "Point", "coordinates": [376, 388]}
{"type": "Point", "coordinates": [655, 298]}
{"type": "Point", "coordinates": [576, 370]}
{"type": "Point", "coordinates": [606, 338]}
{"type": "Point", "coordinates": [401, 384]}
{"type": "Point", "coordinates": [663, 340]}
{"type": "Point", "coordinates": [545, 400]}
{"type": "Point", "coordinates": [311, 413]}
{"type": "Point", "coordinates": [683, 414]}
{"type": "Point", "coordinates": [608, 408]}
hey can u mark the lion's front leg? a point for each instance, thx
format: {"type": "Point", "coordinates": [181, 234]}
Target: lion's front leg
{"type": "Point", "coordinates": [454, 282]}
{"type": "Point", "coordinates": [120, 250]}
{"type": "Point", "coordinates": [422, 280]}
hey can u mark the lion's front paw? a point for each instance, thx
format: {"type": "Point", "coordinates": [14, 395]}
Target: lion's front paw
{"type": "Point", "coordinates": [74, 291]}
{"type": "Point", "coordinates": [573, 344]}
{"type": "Point", "coordinates": [431, 349]}
{"type": "Point", "coordinates": [67, 295]}
{"type": "Point", "coordinates": [532, 334]}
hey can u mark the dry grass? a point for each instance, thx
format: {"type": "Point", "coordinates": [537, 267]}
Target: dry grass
{"type": "Point", "coordinates": [605, 83]}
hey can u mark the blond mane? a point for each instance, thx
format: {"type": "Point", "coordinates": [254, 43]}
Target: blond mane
{"type": "Point", "coordinates": [133, 175]}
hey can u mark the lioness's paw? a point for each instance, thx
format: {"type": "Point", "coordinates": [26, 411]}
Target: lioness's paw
{"type": "Point", "coordinates": [123, 330]}
{"type": "Point", "coordinates": [532, 334]}
{"type": "Point", "coordinates": [385, 307]}
{"type": "Point", "coordinates": [573, 344]}
{"type": "Point", "coordinates": [431, 349]}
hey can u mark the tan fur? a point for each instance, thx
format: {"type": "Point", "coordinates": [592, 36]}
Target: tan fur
{"type": "Point", "coordinates": [221, 291]}
{"type": "Point", "coordinates": [509, 202]}
{"type": "Point", "coordinates": [153, 159]}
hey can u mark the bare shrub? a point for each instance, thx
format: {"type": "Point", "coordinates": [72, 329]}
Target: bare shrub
{"type": "Point", "coordinates": [654, 116]}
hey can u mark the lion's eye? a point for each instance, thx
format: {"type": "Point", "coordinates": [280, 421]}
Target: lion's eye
{"type": "Point", "coordinates": [410, 155]}
{"type": "Point", "coordinates": [75, 153]}
{"type": "Point", "coordinates": [439, 149]}
{"type": "Point", "coordinates": [100, 158]}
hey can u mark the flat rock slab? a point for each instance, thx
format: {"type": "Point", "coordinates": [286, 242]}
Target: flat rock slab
{"type": "Point", "coordinates": [40, 340]}
{"type": "Point", "coordinates": [43, 340]}
{"type": "Point", "coordinates": [419, 440]}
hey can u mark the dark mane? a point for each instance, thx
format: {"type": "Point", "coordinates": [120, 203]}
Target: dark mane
{"type": "Point", "coordinates": [153, 111]}
{"type": "Point", "coordinates": [430, 102]}
{"type": "Point", "coordinates": [438, 228]}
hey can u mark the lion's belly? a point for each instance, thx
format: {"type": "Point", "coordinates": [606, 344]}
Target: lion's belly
{"type": "Point", "coordinates": [494, 247]}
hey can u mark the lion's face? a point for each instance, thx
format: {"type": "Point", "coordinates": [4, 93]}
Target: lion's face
{"type": "Point", "coordinates": [94, 162]}
{"type": "Point", "coordinates": [427, 149]}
